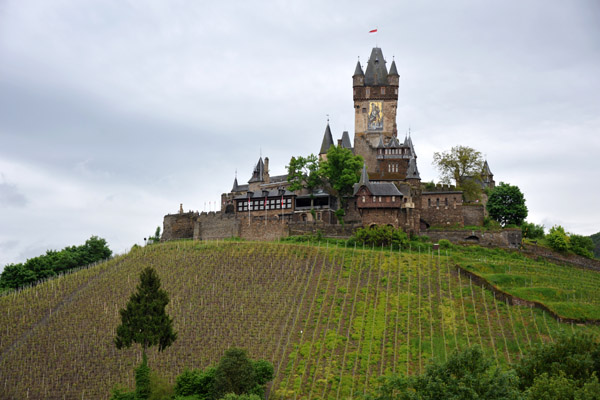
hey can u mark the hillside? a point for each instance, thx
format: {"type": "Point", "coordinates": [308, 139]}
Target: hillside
{"type": "Point", "coordinates": [330, 319]}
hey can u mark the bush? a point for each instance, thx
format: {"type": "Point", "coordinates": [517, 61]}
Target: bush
{"type": "Point", "coordinates": [380, 236]}
{"type": "Point", "coordinates": [582, 245]}
{"type": "Point", "coordinates": [532, 231]}
{"type": "Point", "coordinates": [557, 239]}
{"type": "Point", "coordinates": [445, 244]}
{"type": "Point", "coordinates": [196, 382]}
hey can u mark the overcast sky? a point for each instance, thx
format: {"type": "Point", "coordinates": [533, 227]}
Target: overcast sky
{"type": "Point", "coordinates": [112, 113]}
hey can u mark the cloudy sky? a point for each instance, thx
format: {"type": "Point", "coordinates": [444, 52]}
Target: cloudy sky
{"type": "Point", "coordinates": [112, 113]}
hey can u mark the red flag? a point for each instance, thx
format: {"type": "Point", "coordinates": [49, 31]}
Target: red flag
{"type": "Point", "coordinates": [373, 31]}
{"type": "Point", "coordinates": [282, 201]}
{"type": "Point", "coordinates": [265, 201]}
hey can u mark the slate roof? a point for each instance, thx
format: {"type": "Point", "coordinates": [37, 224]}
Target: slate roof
{"type": "Point", "coordinates": [413, 171]}
{"type": "Point", "coordinates": [486, 169]}
{"type": "Point", "coordinates": [380, 145]}
{"type": "Point", "coordinates": [258, 173]}
{"type": "Point", "coordinates": [376, 189]}
{"type": "Point", "coordinates": [394, 143]}
{"type": "Point", "coordinates": [346, 140]}
{"type": "Point", "coordinates": [358, 71]}
{"type": "Point", "coordinates": [278, 178]}
{"type": "Point", "coordinates": [393, 70]}
{"type": "Point", "coordinates": [327, 140]}
{"type": "Point", "coordinates": [376, 74]}
{"type": "Point", "coordinates": [235, 187]}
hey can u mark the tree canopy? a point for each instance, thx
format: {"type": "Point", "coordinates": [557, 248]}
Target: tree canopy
{"type": "Point", "coordinates": [53, 263]}
{"type": "Point", "coordinates": [506, 204]}
{"type": "Point", "coordinates": [304, 172]}
{"type": "Point", "coordinates": [458, 163]}
{"type": "Point", "coordinates": [144, 319]}
{"type": "Point", "coordinates": [342, 170]}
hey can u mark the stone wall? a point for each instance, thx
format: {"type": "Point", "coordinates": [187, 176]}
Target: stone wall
{"type": "Point", "coordinates": [442, 209]}
{"type": "Point", "coordinates": [261, 229]}
{"type": "Point", "coordinates": [331, 231]}
{"type": "Point", "coordinates": [216, 226]}
{"type": "Point", "coordinates": [179, 226]}
{"type": "Point", "coordinates": [473, 214]}
{"type": "Point", "coordinates": [506, 238]}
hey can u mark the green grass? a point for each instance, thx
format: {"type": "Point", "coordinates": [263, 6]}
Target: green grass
{"type": "Point", "coordinates": [332, 320]}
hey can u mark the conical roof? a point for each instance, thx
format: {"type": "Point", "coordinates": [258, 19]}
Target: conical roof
{"type": "Point", "coordinates": [327, 140]}
{"type": "Point", "coordinates": [413, 171]}
{"type": "Point", "coordinates": [358, 71]}
{"type": "Point", "coordinates": [376, 74]}
{"type": "Point", "coordinates": [393, 70]}
{"type": "Point", "coordinates": [235, 186]}
{"type": "Point", "coordinates": [486, 169]}
{"type": "Point", "coordinates": [380, 145]}
{"type": "Point", "coordinates": [346, 143]}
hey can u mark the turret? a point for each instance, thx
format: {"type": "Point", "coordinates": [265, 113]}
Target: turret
{"type": "Point", "coordinates": [327, 143]}
{"type": "Point", "coordinates": [358, 79]}
{"type": "Point", "coordinates": [393, 77]}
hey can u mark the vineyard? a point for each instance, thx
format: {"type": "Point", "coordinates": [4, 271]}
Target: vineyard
{"type": "Point", "coordinates": [331, 319]}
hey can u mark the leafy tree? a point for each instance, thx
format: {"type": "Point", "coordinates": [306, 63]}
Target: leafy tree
{"type": "Point", "coordinates": [235, 373]}
{"type": "Point", "coordinates": [582, 245]}
{"type": "Point", "coordinates": [144, 320]}
{"type": "Point", "coordinates": [576, 357]}
{"type": "Point", "coordinates": [304, 172]}
{"type": "Point", "coordinates": [466, 375]}
{"type": "Point", "coordinates": [506, 205]}
{"type": "Point", "coordinates": [462, 164]}
{"type": "Point", "coordinates": [532, 231]}
{"type": "Point", "coordinates": [342, 171]}
{"type": "Point", "coordinates": [558, 239]}
{"type": "Point", "coordinates": [596, 240]}
{"type": "Point", "coordinates": [381, 236]}
{"type": "Point", "coordinates": [232, 396]}
{"type": "Point", "coordinates": [196, 383]}
{"type": "Point", "coordinates": [156, 237]}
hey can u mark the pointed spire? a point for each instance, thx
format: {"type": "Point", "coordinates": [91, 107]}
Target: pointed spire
{"type": "Point", "coordinates": [235, 185]}
{"type": "Point", "coordinates": [413, 171]}
{"type": "Point", "coordinates": [486, 169]}
{"type": "Point", "coordinates": [393, 70]}
{"type": "Point", "coordinates": [376, 73]}
{"type": "Point", "coordinates": [358, 71]}
{"type": "Point", "coordinates": [257, 174]}
{"type": "Point", "coordinates": [327, 140]}
{"type": "Point", "coordinates": [380, 145]}
{"type": "Point", "coordinates": [346, 143]}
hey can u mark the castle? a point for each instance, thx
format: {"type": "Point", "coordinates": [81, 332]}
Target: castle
{"type": "Point", "coordinates": [390, 191]}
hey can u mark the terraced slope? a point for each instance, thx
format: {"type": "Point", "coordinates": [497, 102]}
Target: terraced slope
{"type": "Point", "coordinates": [331, 320]}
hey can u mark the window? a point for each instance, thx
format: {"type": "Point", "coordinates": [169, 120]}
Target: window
{"type": "Point", "coordinates": [380, 199]}
{"type": "Point", "coordinates": [368, 92]}
{"type": "Point", "coordinates": [374, 199]}
{"type": "Point", "coordinates": [382, 90]}
{"type": "Point", "coordinates": [393, 199]}
{"type": "Point", "coordinates": [428, 202]}
{"type": "Point", "coordinates": [364, 110]}
{"type": "Point", "coordinates": [437, 202]}
{"type": "Point", "coordinates": [363, 199]}
{"type": "Point", "coordinates": [446, 201]}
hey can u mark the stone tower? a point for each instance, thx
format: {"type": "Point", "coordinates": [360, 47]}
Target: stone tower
{"type": "Point", "coordinates": [375, 104]}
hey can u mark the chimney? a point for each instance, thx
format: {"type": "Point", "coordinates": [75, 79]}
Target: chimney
{"type": "Point", "coordinates": [266, 171]}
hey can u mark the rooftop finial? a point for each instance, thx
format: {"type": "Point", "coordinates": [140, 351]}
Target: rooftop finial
{"type": "Point", "coordinates": [327, 118]}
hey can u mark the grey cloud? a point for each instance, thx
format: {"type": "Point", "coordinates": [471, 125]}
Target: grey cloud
{"type": "Point", "coordinates": [10, 196]}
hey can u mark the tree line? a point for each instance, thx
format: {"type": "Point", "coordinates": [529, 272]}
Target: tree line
{"type": "Point", "coordinates": [53, 263]}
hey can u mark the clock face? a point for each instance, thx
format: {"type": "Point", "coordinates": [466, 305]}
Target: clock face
{"type": "Point", "coordinates": [375, 117]}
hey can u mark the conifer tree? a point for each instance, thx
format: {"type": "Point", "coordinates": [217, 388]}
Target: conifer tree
{"type": "Point", "coordinates": [144, 320]}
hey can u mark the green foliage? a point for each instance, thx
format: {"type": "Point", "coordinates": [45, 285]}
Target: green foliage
{"type": "Point", "coordinates": [342, 170]}
{"type": "Point", "coordinates": [445, 244]}
{"type": "Point", "coordinates": [429, 186]}
{"type": "Point", "coordinates": [144, 320]}
{"type": "Point", "coordinates": [121, 393]}
{"type": "Point", "coordinates": [466, 375]}
{"type": "Point", "coordinates": [54, 262]}
{"type": "Point", "coordinates": [596, 240]}
{"type": "Point", "coordinates": [231, 396]}
{"type": "Point", "coordinates": [459, 162]}
{"type": "Point", "coordinates": [576, 357]}
{"type": "Point", "coordinates": [235, 373]}
{"type": "Point", "coordinates": [304, 172]}
{"type": "Point", "coordinates": [156, 237]}
{"type": "Point", "coordinates": [490, 223]}
{"type": "Point", "coordinates": [196, 383]}
{"type": "Point", "coordinates": [581, 245]}
{"type": "Point", "coordinates": [547, 387]}
{"type": "Point", "coordinates": [558, 239]}
{"type": "Point", "coordinates": [532, 231]}
{"type": "Point", "coordinates": [380, 236]}
{"type": "Point", "coordinates": [506, 205]}
{"type": "Point", "coordinates": [142, 379]}
{"type": "Point", "coordinates": [160, 388]}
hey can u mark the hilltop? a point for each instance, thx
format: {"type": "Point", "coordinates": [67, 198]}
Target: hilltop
{"type": "Point", "coordinates": [332, 320]}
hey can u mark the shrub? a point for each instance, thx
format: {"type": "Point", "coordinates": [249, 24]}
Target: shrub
{"type": "Point", "coordinates": [582, 245]}
{"type": "Point", "coordinates": [381, 236]}
{"type": "Point", "coordinates": [445, 244]}
{"type": "Point", "coordinates": [532, 231]}
{"type": "Point", "coordinates": [557, 239]}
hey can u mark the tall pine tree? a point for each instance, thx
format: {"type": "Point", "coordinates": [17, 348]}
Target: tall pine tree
{"type": "Point", "coordinates": [144, 320]}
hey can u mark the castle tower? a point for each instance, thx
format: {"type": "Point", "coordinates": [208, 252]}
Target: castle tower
{"type": "Point", "coordinates": [375, 104]}
{"type": "Point", "coordinates": [326, 144]}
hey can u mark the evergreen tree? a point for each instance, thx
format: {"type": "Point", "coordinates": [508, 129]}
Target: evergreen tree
{"type": "Point", "coordinates": [144, 320]}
